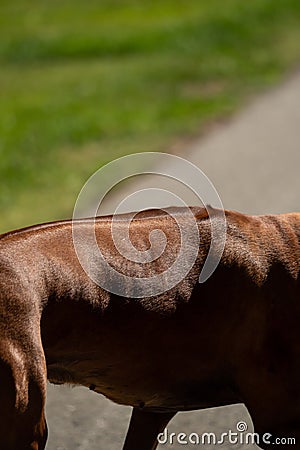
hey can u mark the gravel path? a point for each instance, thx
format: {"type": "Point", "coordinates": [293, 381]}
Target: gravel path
{"type": "Point", "coordinates": [253, 161]}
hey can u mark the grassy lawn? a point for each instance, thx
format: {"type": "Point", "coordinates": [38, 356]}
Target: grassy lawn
{"type": "Point", "coordinates": [85, 82]}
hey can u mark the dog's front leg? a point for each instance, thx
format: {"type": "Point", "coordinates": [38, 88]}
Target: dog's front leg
{"type": "Point", "coordinates": [144, 428]}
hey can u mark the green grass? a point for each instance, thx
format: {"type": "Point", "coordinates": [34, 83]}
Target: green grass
{"type": "Point", "coordinates": [85, 82]}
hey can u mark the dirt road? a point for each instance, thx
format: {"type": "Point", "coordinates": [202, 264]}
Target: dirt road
{"type": "Point", "coordinates": [253, 161]}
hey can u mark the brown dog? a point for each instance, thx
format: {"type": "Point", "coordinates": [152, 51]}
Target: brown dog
{"type": "Point", "coordinates": [234, 338]}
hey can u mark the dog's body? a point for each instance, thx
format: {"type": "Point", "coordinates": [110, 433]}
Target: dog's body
{"type": "Point", "coordinates": [233, 339]}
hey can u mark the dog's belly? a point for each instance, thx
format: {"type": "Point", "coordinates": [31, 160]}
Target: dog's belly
{"type": "Point", "coordinates": [134, 386]}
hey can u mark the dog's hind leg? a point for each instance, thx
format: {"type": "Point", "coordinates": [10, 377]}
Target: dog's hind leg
{"type": "Point", "coordinates": [144, 428]}
{"type": "Point", "coordinates": [22, 396]}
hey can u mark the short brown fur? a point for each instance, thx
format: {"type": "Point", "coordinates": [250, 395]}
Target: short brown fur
{"type": "Point", "coordinates": [234, 338]}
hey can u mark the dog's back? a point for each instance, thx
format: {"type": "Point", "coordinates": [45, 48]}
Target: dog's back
{"type": "Point", "coordinates": [234, 338]}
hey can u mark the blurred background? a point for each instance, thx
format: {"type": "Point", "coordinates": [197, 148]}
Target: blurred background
{"type": "Point", "coordinates": [85, 82]}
